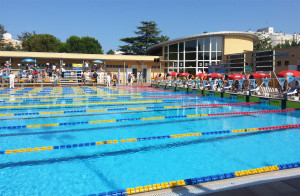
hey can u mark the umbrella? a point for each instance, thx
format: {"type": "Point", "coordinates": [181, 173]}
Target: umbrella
{"type": "Point", "coordinates": [28, 60]}
{"type": "Point", "coordinates": [215, 75]}
{"type": "Point", "coordinates": [185, 74]}
{"type": "Point", "coordinates": [201, 74]}
{"type": "Point", "coordinates": [260, 75]}
{"type": "Point", "coordinates": [289, 73]}
{"type": "Point", "coordinates": [174, 73]}
{"type": "Point", "coordinates": [97, 61]}
{"type": "Point", "coordinates": [236, 76]}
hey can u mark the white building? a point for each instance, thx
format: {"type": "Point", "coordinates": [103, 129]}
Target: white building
{"type": "Point", "coordinates": [276, 38]}
{"type": "Point", "coordinates": [7, 39]}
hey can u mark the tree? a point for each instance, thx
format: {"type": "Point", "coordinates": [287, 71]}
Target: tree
{"type": "Point", "coordinates": [2, 31]}
{"type": "Point", "coordinates": [110, 52]}
{"type": "Point", "coordinates": [263, 44]}
{"type": "Point", "coordinates": [148, 35]}
{"type": "Point", "coordinates": [41, 43]}
{"type": "Point", "coordinates": [25, 35]}
{"type": "Point", "coordinates": [86, 45]}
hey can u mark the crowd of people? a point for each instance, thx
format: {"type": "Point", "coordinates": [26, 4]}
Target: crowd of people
{"type": "Point", "coordinates": [214, 83]}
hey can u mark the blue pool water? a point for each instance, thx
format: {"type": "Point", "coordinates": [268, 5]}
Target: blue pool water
{"type": "Point", "coordinates": [103, 168]}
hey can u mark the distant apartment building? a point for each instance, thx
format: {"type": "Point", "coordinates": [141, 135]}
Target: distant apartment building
{"type": "Point", "coordinates": [7, 39]}
{"type": "Point", "coordinates": [276, 38]}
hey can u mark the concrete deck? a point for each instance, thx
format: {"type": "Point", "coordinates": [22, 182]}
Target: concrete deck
{"type": "Point", "coordinates": [282, 182]}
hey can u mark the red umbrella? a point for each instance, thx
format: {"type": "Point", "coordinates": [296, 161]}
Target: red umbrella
{"type": "Point", "coordinates": [174, 73]}
{"type": "Point", "coordinates": [289, 73]}
{"type": "Point", "coordinates": [201, 74]}
{"type": "Point", "coordinates": [185, 74]}
{"type": "Point", "coordinates": [260, 75]}
{"type": "Point", "coordinates": [236, 76]}
{"type": "Point", "coordinates": [215, 75]}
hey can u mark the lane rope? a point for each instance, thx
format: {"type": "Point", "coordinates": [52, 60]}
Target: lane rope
{"type": "Point", "coordinates": [122, 109]}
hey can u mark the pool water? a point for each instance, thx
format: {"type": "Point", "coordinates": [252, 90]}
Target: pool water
{"type": "Point", "coordinates": [110, 167]}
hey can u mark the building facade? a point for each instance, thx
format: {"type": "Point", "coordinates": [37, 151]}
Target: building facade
{"type": "Point", "coordinates": [117, 64]}
{"type": "Point", "coordinates": [194, 54]}
{"type": "Point", "coordinates": [273, 61]}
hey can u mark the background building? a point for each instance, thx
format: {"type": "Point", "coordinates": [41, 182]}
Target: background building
{"type": "Point", "coordinates": [265, 61]}
{"type": "Point", "coordinates": [7, 39]}
{"type": "Point", "coordinates": [194, 54]}
{"type": "Point", "coordinates": [275, 37]}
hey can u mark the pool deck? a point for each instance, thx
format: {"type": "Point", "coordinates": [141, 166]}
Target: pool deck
{"type": "Point", "coordinates": [282, 182]}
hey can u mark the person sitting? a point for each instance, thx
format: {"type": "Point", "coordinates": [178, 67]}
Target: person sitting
{"type": "Point", "coordinates": [95, 76]}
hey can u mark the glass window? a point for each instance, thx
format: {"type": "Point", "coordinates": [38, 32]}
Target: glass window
{"type": "Point", "coordinates": [166, 56]}
{"type": "Point", "coordinates": [200, 44]}
{"type": "Point", "coordinates": [278, 63]}
{"type": "Point", "coordinates": [219, 41]}
{"type": "Point", "coordinates": [207, 44]}
{"type": "Point", "coordinates": [206, 63]}
{"type": "Point", "coordinates": [190, 56]}
{"type": "Point", "coordinates": [180, 56]}
{"type": "Point", "coordinates": [206, 55]}
{"type": "Point", "coordinates": [200, 56]}
{"type": "Point", "coordinates": [191, 71]}
{"type": "Point", "coordinates": [180, 64]}
{"type": "Point", "coordinates": [181, 47]}
{"type": "Point", "coordinates": [286, 62]}
{"type": "Point", "coordinates": [200, 64]}
{"type": "Point", "coordinates": [166, 49]}
{"type": "Point", "coordinates": [173, 56]}
{"type": "Point", "coordinates": [213, 43]}
{"type": "Point", "coordinates": [219, 55]}
{"type": "Point", "coordinates": [173, 48]}
{"type": "Point", "coordinates": [190, 45]}
{"type": "Point", "coordinates": [213, 56]}
{"type": "Point", "coordinates": [190, 64]}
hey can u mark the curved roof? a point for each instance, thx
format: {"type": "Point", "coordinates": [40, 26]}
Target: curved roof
{"type": "Point", "coordinates": [239, 33]}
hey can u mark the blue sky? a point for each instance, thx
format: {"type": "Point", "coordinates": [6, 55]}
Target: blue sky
{"type": "Point", "coordinates": [110, 20]}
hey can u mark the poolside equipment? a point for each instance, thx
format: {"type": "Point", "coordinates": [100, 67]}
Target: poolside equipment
{"type": "Point", "coordinates": [236, 76]}
{"type": "Point", "coordinates": [292, 73]}
{"type": "Point", "coordinates": [215, 75]}
{"type": "Point", "coordinates": [97, 61]}
{"type": "Point", "coordinates": [260, 75]}
{"type": "Point", "coordinates": [28, 60]}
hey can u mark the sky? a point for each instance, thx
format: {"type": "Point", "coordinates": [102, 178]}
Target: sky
{"type": "Point", "coordinates": [110, 20]}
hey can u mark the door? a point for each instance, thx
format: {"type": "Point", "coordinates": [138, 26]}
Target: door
{"type": "Point", "coordinates": [134, 71]}
{"type": "Point", "coordinates": [149, 75]}
{"type": "Point", "coordinates": [145, 74]}
{"type": "Point", "coordinates": [129, 70]}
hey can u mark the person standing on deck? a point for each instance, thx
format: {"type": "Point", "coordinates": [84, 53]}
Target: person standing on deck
{"type": "Point", "coordinates": [11, 80]}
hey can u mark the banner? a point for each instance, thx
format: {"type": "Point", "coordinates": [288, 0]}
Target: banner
{"type": "Point", "coordinates": [252, 82]}
{"type": "Point", "coordinates": [281, 82]}
{"type": "Point", "coordinates": [77, 66]}
{"type": "Point", "coordinates": [266, 81]}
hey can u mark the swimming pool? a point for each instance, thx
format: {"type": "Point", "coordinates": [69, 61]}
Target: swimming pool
{"type": "Point", "coordinates": [78, 117]}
